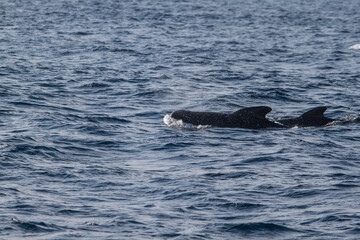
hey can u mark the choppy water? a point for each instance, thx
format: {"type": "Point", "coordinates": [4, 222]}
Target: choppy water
{"type": "Point", "coordinates": [85, 85]}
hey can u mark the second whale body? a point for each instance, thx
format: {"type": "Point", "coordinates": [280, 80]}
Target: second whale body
{"type": "Point", "coordinates": [312, 118]}
{"type": "Point", "coordinates": [252, 118]}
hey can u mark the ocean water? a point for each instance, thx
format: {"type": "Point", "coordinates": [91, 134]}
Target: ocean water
{"type": "Point", "coordinates": [85, 87]}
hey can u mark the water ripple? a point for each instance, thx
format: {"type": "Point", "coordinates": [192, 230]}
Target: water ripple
{"type": "Point", "coordinates": [86, 87]}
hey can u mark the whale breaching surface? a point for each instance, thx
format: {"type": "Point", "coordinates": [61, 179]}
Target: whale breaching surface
{"type": "Point", "coordinates": [252, 118]}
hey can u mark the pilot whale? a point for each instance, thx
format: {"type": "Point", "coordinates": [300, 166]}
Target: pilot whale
{"type": "Point", "coordinates": [252, 118]}
{"type": "Point", "coordinates": [312, 118]}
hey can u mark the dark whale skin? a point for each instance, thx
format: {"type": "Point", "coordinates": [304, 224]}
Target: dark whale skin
{"type": "Point", "coordinates": [252, 118]}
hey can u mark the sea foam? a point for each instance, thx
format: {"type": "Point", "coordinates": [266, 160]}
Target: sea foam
{"type": "Point", "coordinates": [355, 47]}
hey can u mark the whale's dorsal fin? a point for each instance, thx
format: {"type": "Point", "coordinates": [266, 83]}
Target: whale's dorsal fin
{"type": "Point", "coordinates": [260, 111]}
{"type": "Point", "coordinates": [316, 112]}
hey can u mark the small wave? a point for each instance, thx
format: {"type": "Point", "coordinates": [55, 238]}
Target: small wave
{"type": "Point", "coordinates": [259, 227]}
{"type": "Point", "coordinates": [34, 150]}
{"type": "Point", "coordinates": [155, 93]}
{"type": "Point", "coordinates": [172, 122]}
{"type": "Point", "coordinates": [355, 47]}
{"type": "Point", "coordinates": [117, 50]}
{"type": "Point", "coordinates": [159, 67]}
{"type": "Point", "coordinates": [226, 176]}
{"type": "Point", "coordinates": [177, 145]}
{"type": "Point", "coordinates": [339, 217]}
{"type": "Point", "coordinates": [346, 185]}
{"type": "Point", "coordinates": [70, 212]}
{"type": "Point", "coordinates": [56, 174]}
{"type": "Point", "coordinates": [95, 85]}
{"type": "Point", "coordinates": [297, 194]}
{"type": "Point", "coordinates": [107, 119]}
{"type": "Point", "coordinates": [264, 159]}
{"type": "Point", "coordinates": [82, 33]}
{"type": "Point", "coordinates": [182, 195]}
{"type": "Point", "coordinates": [240, 206]}
{"type": "Point", "coordinates": [35, 226]}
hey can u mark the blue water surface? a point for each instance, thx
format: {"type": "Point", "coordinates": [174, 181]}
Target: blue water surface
{"type": "Point", "coordinates": [85, 85]}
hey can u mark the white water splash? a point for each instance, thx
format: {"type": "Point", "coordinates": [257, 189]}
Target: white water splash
{"type": "Point", "coordinates": [355, 47]}
{"type": "Point", "coordinates": [172, 122]}
{"type": "Point", "coordinates": [350, 119]}
{"type": "Point", "coordinates": [345, 120]}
